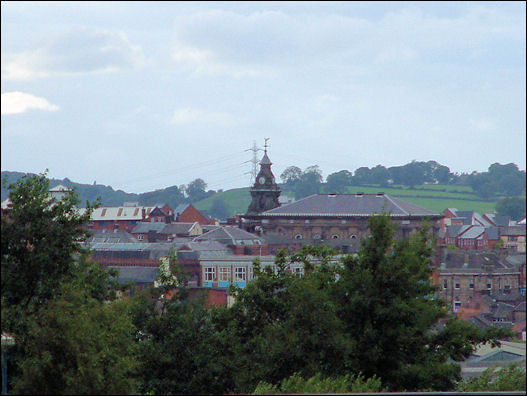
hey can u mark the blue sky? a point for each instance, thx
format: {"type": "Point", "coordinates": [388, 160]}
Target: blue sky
{"type": "Point", "coordinates": [145, 95]}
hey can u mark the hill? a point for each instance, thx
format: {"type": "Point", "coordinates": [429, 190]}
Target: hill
{"type": "Point", "coordinates": [109, 197]}
{"type": "Point", "coordinates": [435, 197]}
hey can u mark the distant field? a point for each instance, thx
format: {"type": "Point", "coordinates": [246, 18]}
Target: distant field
{"type": "Point", "coordinates": [238, 200]}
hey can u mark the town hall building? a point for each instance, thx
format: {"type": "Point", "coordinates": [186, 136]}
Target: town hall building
{"type": "Point", "coordinates": [323, 217]}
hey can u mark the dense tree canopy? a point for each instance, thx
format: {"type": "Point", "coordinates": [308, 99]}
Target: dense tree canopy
{"type": "Point", "coordinates": [513, 207]}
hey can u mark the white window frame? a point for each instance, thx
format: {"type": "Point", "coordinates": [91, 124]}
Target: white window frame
{"type": "Point", "coordinates": [240, 274]}
{"type": "Point", "coordinates": [209, 274]}
{"type": "Point", "coordinates": [140, 237]}
{"type": "Point", "coordinates": [445, 284]}
{"type": "Point", "coordinates": [298, 236]}
{"type": "Point", "coordinates": [222, 272]}
{"type": "Point", "coordinates": [457, 284]}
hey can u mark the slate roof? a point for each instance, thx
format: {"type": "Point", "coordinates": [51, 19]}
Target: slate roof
{"type": "Point", "coordinates": [145, 227]}
{"type": "Point", "coordinates": [348, 205]}
{"type": "Point", "coordinates": [181, 208]}
{"type": "Point", "coordinates": [265, 160]}
{"type": "Point", "coordinates": [60, 188]}
{"type": "Point", "coordinates": [520, 307]}
{"type": "Point", "coordinates": [178, 228]}
{"type": "Point", "coordinates": [456, 260]}
{"type": "Point", "coordinates": [472, 232]}
{"type": "Point", "coordinates": [111, 236]}
{"type": "Point", "coordinates": [230, 235]}
{"type": "Point", "coordinates": [518, 230]}
{"type": "Point", "coordinates": [455, 230]}
{"type": "Point", "coordinates": [493, 233]}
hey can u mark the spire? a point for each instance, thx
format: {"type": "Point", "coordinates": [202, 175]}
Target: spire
{"type": "Point", "coordinates": [265, 159]}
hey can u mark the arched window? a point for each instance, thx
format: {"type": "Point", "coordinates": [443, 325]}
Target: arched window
{"type": "Point", "coordinates": [334, 236]}
{"type": "Point", "coordinates": [353, 236]}
{"type": "Point", "coordinates": [316, 236]}
{"type": "Point", "coordinates": [298, 236]}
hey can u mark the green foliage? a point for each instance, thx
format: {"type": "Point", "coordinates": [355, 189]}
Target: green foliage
{"type": "Point", "coordinates": [317, 384]}
{"type": "Point", "coordinates": [40, 243]}
{"type": "Point", "coordinates": [196, 190]}
{"type": "Point", "coordinates": [70, 337]}
{"type": "Point", "coordinates": [78, 345]}
{"type": "Point", "coordinates": [338, 182]}
{"type": "Point", "coordinates": [513, 207]}
{"type": "Point", "coordinates": [510, 378]}
{"type": "Point", "coordinates": [385, 299]}
{"type": "Point", "coordinates": [181, 350]}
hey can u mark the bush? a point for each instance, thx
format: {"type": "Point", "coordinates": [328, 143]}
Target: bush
{"type": "Point", "coordinates": [317, 384]}
{"type": "Point", "coordinates": [510, 378]}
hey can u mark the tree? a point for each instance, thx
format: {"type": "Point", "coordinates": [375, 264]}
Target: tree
{"type": "Point", "coordinates": [70, 337]}
{"type": "Point", "coordinates": [290, 176]}
{"type": "Point", "coordinates": [338, 182]}
{"type": "Point", "coordinates": [379, 175]}
{"type": "Point", "coordinates": [510, 378]}
{"type": "Point", "coordinates": [40, 243]}
{"type": "Point", "coordinates": [513, 207]}
{"type": "Point", "coordinates": [196, 190]}
{"type": "Point", "coordinates": [310, 182]}
{"type": "Point", "coordinates": [362, 176]}
{"type": "Point", "coordinates": [385, 297]}
{"type": "Point", "coordinates": [78, 345]}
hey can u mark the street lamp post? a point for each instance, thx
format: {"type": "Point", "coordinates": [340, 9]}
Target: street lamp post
{"type": "Point", "coordinates": [7, 341]}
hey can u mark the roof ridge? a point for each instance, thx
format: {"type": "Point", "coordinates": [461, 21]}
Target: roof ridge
{"type": "Point", "coordinates": [392, 201]}
{"type": "Point", "coordinates": [229, 234]}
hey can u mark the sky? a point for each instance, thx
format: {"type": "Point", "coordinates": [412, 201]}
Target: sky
{"type": "Point", "coordinates": [146, 95]}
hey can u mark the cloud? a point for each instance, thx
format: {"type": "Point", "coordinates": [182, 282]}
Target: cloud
{"type": "Point", "coordinates": [187, 115]}
{"type": "Point", "coordinates": [72, 52]}
{"type": "Point", "coordinates": [20, 102]}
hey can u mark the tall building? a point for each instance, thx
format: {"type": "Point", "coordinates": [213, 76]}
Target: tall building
{"type": "Point", "coordinates": [265, 191]}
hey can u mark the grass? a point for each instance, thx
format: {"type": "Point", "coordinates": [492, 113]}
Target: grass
{"type": "Point", "coordinates": [238, 200]}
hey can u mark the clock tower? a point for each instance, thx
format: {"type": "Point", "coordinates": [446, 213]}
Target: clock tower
{"type": "Point", "coordinates": [265, 191]}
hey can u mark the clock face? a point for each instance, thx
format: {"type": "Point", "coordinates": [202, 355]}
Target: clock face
{"type": "Point", "coordinates": [261, 180]}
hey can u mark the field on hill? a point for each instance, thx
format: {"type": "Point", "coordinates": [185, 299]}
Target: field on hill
{"type": "Point", "coordinates": [434, 197]}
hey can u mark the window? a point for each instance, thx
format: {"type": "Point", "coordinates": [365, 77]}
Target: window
{"type": "Point", "coordinates": [250, 273]}
{"type": "Point", "coordinates": [298, 236]}
{"type": "Point", "coordinates": [335, 236]}
{"type": "Point", "coordinates": [239, 274]}
{"type": "Point", "coordinates": [298, 271]}
{"type": "Point", "coordinates": [224, 274]}
{"type": "Point", "coordinates": [457, 285]}
{"type": "Point", "coordinates": [307, 222]}
{"type": "Point", "coordinates": [354, 237]}
{"type": "Point", "coordinates": [489, 284]}
{"type": "Point", "coordinates": [140, 237]}
{"type": "Point", "coordinates": [210, 274]}
{"type": "Point", "coordinates": [445, 284]}
{"type": "Point", "coordinates": [471, 284]}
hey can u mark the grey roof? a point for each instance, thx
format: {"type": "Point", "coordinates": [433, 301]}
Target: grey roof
{"type": "Point", "coordinates": [516, 259]}
{"type": "Point", "coordinates": [472, 232]}
{"type": "Point", "coordinates": [520, 307]}
{"type": "Point", "coordinates": [349, 205]}
{"type": "Point", "coordinates": [475, 260]}
{"type": "Point", "coordinates": [181, 208]}
{"type": "Point", "coordinates": [500, 221]}
{"type": "Point", "coordinates": [111, 236]}
{"type": "Point", "coordinates": [493, 233]}
{"type": "Point", "coordinates": [145, 227]}
{"type": "Point", "coordinates": [517, 230]}
{"type": "Point", "coordinates": [177, 228]}
{"type": "Point", "coordinates": [502, 310]}
{"type": "Point", "coordinates": [204, 246]}
{"type": "Point", "coordinates": [137, 274]}
{"type": "Point", "coordinates": [230, 235]}
{"type": "Point", "coordinates": [455, 230]}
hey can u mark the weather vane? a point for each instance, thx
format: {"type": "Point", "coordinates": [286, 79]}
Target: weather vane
{"type": "Point", "coordinates": [265, 144]}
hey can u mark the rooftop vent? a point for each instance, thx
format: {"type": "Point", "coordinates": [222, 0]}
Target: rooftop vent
{"type": "Point", "coordinates": [332, 195]}
{"type": "Point", "coordinates": [359, 194]}
{"type": "Point", "coordinates": [380, 194]}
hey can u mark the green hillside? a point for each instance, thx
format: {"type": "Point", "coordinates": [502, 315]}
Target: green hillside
{"type": "Point", "coordinates": [433, 197]}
